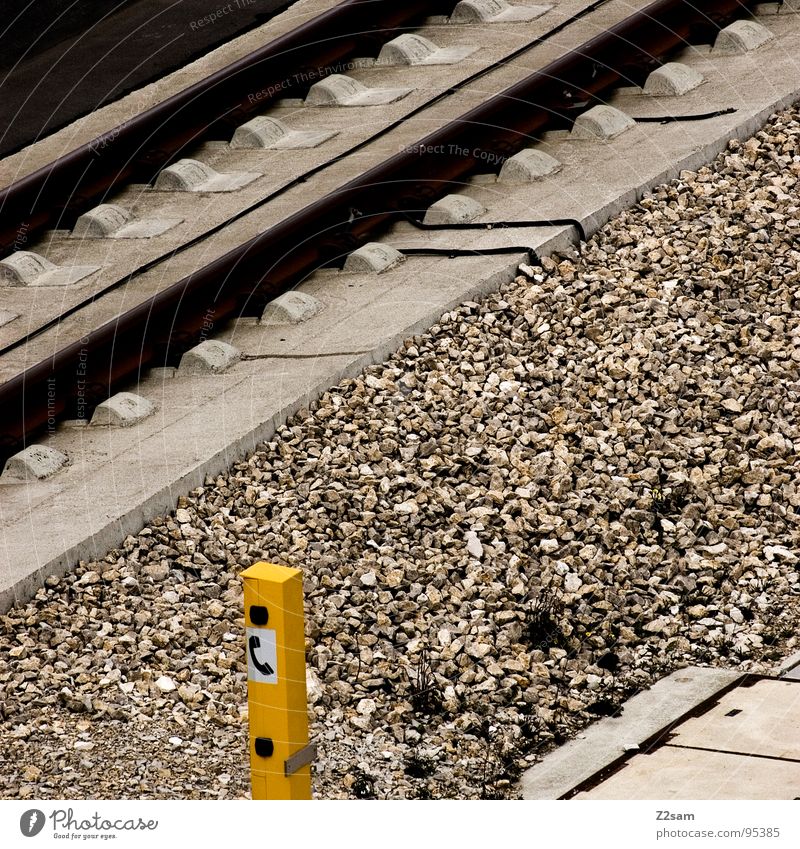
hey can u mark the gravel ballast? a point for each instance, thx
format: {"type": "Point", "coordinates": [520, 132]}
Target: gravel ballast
{"type": "Point", "coordinates": [557, 496]}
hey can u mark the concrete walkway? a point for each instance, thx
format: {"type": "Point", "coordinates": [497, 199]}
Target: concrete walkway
{"type": "Point", "coordinates": [697, 734]}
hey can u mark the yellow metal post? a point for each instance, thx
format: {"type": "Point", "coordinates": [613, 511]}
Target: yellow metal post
{"type": "Point", "coordinates": [276, 683]}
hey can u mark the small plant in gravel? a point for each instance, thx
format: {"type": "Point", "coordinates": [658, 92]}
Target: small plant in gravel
{"type": "Point", "coordinates": [499, 764]}
{"type": "Point", "coordinates": [425, 694]}
{"type": "Point", "coordinates": [419, 765]}
{"type": "Point", "coordinates": [543, 631]}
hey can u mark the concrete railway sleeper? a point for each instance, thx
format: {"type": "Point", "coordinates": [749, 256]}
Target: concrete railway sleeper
{"type": "Point", "coordinates": [302, 178]}
{"type": "Point", "coordinates": [159, 330]}
{"type": "Point", "coordinates": [136, 150]}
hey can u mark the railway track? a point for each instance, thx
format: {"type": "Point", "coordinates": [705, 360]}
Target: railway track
{"type": "Point", "coordinates": [223, 257]}
{"type": "Point", "coordinates": [159, 329]}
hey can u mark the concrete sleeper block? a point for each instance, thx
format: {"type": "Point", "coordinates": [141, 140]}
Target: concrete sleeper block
{"type": "Point", "coordinates": [601, 123]}
{"type": "Point", "coordinates": [267, 133]}
{"type": "Point", "coordinates": [672, 79]}
{"type": "Point", "coordinates": [35, 462]}
{"type": "Point", "coordinates": [341, 90]}
{"type": "Point", "coordinates": [454, 209]}
{"type": "Point", "coordinates": [413, 49]}
{"type": "Point", "coordinates": [111, 221]}
{"type": "Point", "coordinates": [122, 410]}
{"type": "Point", "coordinates": [102, 221]}
{"type": "Point", "coordinates": [209, 357]}
{"type": "Point", "coordinates": [26, 268]}
{"type": "Point", "coordinates": [494, 11]}
{"type": "Point", "coordinates": [373, 258]}
{"type": "Point", "coordinates": [189, 175]}
{"type": "Point", "coordinates": [741, 37]}
{"type": "Point", "coordinates": [290, 308]}
{"type": "Point", "coordinates": [528, 165]}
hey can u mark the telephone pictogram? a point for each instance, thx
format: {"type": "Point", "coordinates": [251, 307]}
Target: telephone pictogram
{"type": "Point", "coordinates": [254, 643]}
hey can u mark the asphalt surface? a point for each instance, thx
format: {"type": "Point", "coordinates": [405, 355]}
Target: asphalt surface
{"type": "Point", "coordinates": [61, 59]}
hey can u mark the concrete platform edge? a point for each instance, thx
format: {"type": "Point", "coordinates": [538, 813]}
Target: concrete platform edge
{"type": "Point", "coordinates": [163, 501]}
{"type": "Point", "coordinates": [608, 739]}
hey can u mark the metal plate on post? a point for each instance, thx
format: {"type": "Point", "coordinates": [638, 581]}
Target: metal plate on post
{"type": "Point", "coordinates": [300, 759]}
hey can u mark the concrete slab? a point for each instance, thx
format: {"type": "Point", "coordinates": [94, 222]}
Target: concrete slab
{"type": "Point", "coordinates": [268, 133]}
{"type": "Point", "coordinates": [189, 175]}
{"type": "Point", "coordinates": [36, 462]}
{"type": "Point", "coordinates": [609, 739]}
{"type": "Point", "coordinates": [209, 357]}
{"type": "Point", "coordinates": [342, 90]}
{"type": "Point", "coordinates": [413, 49]}
{"type": "Point", "coordinates": [671, 773]}
{"type": "Point", "coordinates": [27, 268]}
{"type": "Point", "coordinates": [763, 719]}
{"type": "Point", "coordinates": [111, 221]}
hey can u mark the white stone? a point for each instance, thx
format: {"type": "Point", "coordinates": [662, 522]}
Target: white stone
{"type": "Point", "coordinates": [474, 546]}
{"type": "Point", "coordinates": [341, 90]}
{"type": "Point", "coordinates": [672, 79]}
{"type": "Point", "coordinates": [366, 707]}
{"type": "Point", "coordinates": [122, 410]}
{"type": "Point", "coordinates": [373, 258]}
{"type": "Point", "coordinates": [528, 165]}
{"type": "Point", "coordinates": [572, 582]}
{"type": "Point", "coordinates": [290, 308]}
{"type": "Point", "coordinates": [176, 741]}
{"type": "Point", "coordinates": [209, 357]}
{"type": "Point", "coordinates": [741, 37]}
{"type": "Point", "coordinates": [314, 689]}
{"type": "Point", "coordinates": [601, 123]}
{"type": "Point", "coordinates": [35, 462]}
{"type": "Point", "coordinates": [453, 209]}
{"type": "Point", "coordinates": [548, 546]}
{"type": "Point", "coordinates": [166, 684]}
{"type": "Point", "coordinates": [189, 175]}
{"type": "Point", "coordinates": [26, 268]}
{"type": "Point", "coordinates": [412, 49]}
{"type": "Point", "coordinates": [268, 133]}
{"type": "Point", "coordinates": [369, 579]}
{"type": "Point", "coordinates": [779, 551]}
{"type": "Point", "coordinates": [494, 11]}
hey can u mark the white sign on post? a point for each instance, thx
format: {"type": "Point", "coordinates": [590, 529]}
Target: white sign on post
{"type": "Point", "coordinates": [262, 656]}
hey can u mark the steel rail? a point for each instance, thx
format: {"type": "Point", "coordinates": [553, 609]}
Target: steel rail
{"type": "Point", "coordinates": [54, 195]}
{"type": "Point", "coordinates": [159, 330]}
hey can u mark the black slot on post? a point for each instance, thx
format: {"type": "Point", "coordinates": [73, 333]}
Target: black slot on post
{"type": "Point", "coordinates": [259, 615]}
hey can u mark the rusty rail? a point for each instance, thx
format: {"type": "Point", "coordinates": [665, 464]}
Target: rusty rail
{"type": "Point", "coordinates": [134, 151]}
{"type": "Point", "coordinates": [159, 330]}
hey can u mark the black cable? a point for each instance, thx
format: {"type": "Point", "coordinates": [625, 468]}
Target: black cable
{"type": "Point", "coordinates": [453, 253]}
{"type": "Point", "coordinates": [501, 225]}
{"type": "Point", "coordinates": [669, 119]}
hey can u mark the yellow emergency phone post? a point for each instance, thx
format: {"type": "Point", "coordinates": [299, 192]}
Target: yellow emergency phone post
{"type": "Point", "coordinates": [280, 755]}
